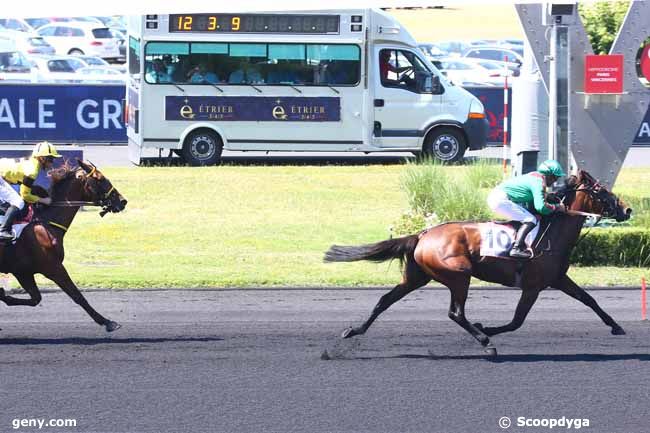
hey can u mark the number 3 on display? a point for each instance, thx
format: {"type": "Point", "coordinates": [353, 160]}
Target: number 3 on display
{"type": "Point", "coordinates": [212, 25]}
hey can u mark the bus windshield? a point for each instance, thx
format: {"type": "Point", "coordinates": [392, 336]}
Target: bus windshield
{"type": "Point", "coordinates": [252, 63]}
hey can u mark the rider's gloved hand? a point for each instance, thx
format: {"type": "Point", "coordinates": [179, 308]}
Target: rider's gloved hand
{"type": "Point", "coordinates": [560, 208]}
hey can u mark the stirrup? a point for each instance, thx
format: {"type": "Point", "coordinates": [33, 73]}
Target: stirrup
{"type": "Point", "coordinates": [7, 236]}
{"type": "Point", "coordinates": [520, 254]}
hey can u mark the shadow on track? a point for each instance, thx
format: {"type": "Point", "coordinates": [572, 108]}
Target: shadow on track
{"type": "Point", "coordinates": [83, 341]}
{"type": "Point", "coordinates": [574, 357]}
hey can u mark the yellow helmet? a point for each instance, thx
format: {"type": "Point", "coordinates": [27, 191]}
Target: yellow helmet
{"type": "Point", "coordinates": [45, 148]}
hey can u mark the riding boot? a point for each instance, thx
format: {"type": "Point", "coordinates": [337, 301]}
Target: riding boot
{"type": "Point", "coordinates": [519, 250]}
{"type": "Point", "coordinates": [6, 230]}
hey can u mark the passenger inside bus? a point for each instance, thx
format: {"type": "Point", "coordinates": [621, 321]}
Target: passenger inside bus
{"type": "Point", "coordinates": [247, 73]}
{"type": "Point", "coordinates": [157, 73]}
{"type": "Point", "coordinates": [201, 74]}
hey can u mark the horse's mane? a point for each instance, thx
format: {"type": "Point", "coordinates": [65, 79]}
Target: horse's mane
{"type": "Point", "coordinates": [58, 175]}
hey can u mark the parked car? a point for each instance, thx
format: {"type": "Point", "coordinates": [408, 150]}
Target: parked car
{"type": "Point", "coordinates": [453, 48]}
{"type": "Point", "coordinates": [496, 54]}
{"type": "Point", "coordinates": [58, 69]}
{"type": "Point", "coordinates": [14, 66]}
{"type": "Point", "coordinates": [462, 72]}
{"type": "Point", "coordinates": [101, 74]}
{"type": "Point", "coordinates": [121, 43]}
{"type": "Point", "coordinates": [432, 51]}
{"type": "Point", "coordinates": [37, 23]}
{"type": "Point", "coordinates": [79, 38]}
{"type": "Point", "coordinates": [28, 43]}
{"type": "Point", "coordinates": [16, 24]}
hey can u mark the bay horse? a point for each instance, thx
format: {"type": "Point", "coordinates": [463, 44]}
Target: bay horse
{"type": "Point", "coordinates": [39, 249]}
{"type": "Point", "coordinates": [450, 254]}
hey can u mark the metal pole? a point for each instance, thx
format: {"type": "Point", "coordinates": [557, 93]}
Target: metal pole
{"type": "Point", "coordinates": [558, 134]}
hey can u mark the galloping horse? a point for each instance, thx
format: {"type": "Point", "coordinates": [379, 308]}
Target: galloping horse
{"type": "Point", "coordinates": [450, 254]}
{"type": "Point", "coordinates": [39, 249]}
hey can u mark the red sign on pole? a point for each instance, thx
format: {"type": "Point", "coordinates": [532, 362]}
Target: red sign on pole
{"type": "Point", "coordinates": [604, 74]}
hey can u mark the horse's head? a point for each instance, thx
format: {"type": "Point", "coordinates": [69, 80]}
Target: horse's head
{"type": "Point", "coordinates": [98, 189]}
{"type": "Point", "coordinates": [586, 194]}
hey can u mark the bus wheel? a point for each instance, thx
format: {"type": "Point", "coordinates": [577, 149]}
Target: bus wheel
{"type": "Point", "coordinates": [202, 147]}
{"type": "Point", "coordinates": [445, 145]}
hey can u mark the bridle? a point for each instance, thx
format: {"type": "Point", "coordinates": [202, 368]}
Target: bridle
{"type": "Point", "coordinates": [103, 201]}
{"type": "Point", "coordinates": [598, 193]}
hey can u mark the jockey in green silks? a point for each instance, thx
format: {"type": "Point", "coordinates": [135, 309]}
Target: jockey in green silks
{"type": "Point", "coordinates": [511, 197]}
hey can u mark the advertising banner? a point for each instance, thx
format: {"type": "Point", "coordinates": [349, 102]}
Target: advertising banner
{"type": "Point", "coordinates": [253, 108]}
{"type": "Point", "coordinates": [60, 113]}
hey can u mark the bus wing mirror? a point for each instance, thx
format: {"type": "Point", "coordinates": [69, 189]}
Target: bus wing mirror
{"type": "Point", "coordinates": [424, 82]}
{"type": "Point", "coordinates": [436, 87]}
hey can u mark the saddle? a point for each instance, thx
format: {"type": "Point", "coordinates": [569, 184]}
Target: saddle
{"type": "Point", "coordinates": [498, 238]}
{"type": "Point", "coordinates": [24, 218]}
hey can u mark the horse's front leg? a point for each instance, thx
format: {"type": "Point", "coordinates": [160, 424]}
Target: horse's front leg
{"type": "Point", "coordinates": [568, 286]}
{"type": "Point", "coordinates": [29, 284]}
{"type": "Point", "coordinates": [526, 302]}
{"type": "Point", "coordinates": [60, 276]}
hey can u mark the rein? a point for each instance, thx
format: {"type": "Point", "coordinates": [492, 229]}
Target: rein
{"type": "Point", "coordinates": [73, 203]}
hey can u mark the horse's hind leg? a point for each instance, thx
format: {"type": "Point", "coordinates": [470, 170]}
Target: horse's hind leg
{"type": "Point", "coordinates": [568, 286]}
{"type": "Point", "coordinates": [29, 284]}
{"type": "Point", "coordinates": [413, 278]}
{"type": "Point", "coordinates": [60, 276]}
{"type": "Point", "coordinates": [526, 301]}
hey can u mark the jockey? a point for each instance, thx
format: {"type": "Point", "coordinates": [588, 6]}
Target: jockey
{"type": "Point", "coordinates": [511, 197]}
{"type": "Point", "coordinates": [22, 172]}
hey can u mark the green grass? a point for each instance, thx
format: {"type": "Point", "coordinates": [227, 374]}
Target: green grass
{"type": "Point", "coordinates": [254, 226]}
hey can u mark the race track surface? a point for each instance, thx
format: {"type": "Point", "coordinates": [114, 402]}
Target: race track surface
{"type": "Point", "coordinates": [251, 361]}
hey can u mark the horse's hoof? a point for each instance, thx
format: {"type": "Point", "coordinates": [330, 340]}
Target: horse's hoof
{"type": "Point", "coordinates": [617, 330]}
{"type": "Point", "coordinates": [349, 332]}
{"type": "Point", "coordinates": [491, 351]}
{"type": "Point", "coordinates": [112, 326]}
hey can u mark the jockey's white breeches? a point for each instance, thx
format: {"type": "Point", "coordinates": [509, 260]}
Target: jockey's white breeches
{"type": "Point", "coordinates": [500, 203]}
{"type": "Point", "coordinates": [9, 195]}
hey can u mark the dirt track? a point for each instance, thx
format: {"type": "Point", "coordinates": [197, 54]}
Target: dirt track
{"type": "Point", "coordinates": [213, 361]}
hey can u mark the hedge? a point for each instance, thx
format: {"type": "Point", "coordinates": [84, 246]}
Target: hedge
{"type": "Point", "coordinates": [620, 246]}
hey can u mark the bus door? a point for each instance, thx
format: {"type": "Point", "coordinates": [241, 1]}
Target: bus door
{"type": "Point", "coordinates": [400, 112]}
{"type": "Point", "coordinates": [131, 108]}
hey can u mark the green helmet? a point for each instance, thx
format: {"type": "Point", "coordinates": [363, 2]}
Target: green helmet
{"type": "Point", "coordinates": [551, 167]}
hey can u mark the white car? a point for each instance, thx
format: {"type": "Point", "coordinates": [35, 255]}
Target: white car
{"type": "Point", "coordinates": [463, 72]}
{"type": "Point", "coordinates": [28, 43]}
{"type": "Point", "coordinates": [14, 66]}
{"type": "Point", "coordinates": [101, 74]}
{"type": "Point", "coordinates": [16, 24]}
{"type": "Point", "coordinates": [58, 69]}
{"type": "Point", "coordinates": [79, 38]}
{"type": "Point", "coordinates": [496, 54]}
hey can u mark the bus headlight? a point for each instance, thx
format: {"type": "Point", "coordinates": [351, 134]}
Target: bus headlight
{"type": "Point", "coordinates": [476, 110]}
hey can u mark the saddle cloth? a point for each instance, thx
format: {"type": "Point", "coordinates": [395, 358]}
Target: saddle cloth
{"type": "Point", "coordinates": [497, 238]}
{"type": "Point", "coordinates": [20, 223]}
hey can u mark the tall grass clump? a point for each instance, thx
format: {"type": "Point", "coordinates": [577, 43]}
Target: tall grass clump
{"type": "Point", "coordinates": [484, 174]}
{"type": "Point", "coordinates": [438, 193]}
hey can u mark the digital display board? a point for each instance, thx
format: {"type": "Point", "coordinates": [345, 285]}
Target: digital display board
{"type": "Point", "coordinates": [254, 23]}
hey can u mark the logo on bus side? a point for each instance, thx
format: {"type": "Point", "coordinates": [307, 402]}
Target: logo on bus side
{"type": "Point", "coordinates": [253, 108]}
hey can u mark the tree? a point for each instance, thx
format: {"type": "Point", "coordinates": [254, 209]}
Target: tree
{"type": "Point", "coordinates": [602, 21]}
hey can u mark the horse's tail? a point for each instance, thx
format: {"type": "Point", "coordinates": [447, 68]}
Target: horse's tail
{"type": "Point", "coordinates": [381, 251]}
